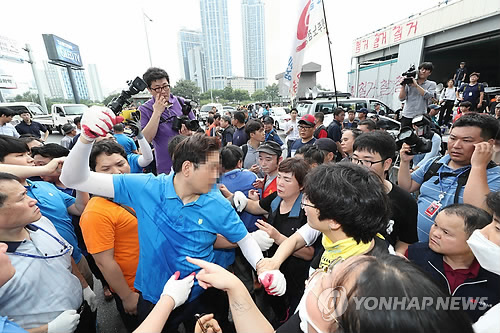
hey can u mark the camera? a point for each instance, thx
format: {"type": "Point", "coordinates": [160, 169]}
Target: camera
{"type": "Point", "coordinates": [191, 124]}
{"type": "Point", "coordinates": [408, 75]}
{"type": "Point", "coordinates": [134, 87]}
{"type": "Point", "coordinates": [420, 140]}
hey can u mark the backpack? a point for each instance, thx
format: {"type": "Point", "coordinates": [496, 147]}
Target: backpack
{"type": "Point", "coordinates": [461, 181]}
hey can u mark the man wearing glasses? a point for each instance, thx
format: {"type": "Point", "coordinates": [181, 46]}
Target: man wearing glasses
{"type": "Point", "coordinates": [306, 134]}
{"type": "Point", "coordinates": [157, 116]}
{"type": "Point", "coordinates": [376, 151]}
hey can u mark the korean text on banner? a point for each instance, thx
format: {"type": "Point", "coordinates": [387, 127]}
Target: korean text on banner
{"type": "Point", "coordinates": [311, 25]}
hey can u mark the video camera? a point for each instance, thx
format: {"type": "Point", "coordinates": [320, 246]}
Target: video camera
{"type": "Point", "coordinates": [408, 75]}
{"type": "Point", "coordinates": [191, 124]}
{"type": "Point", "coordinates": [134, 87]}
{"type": "Point", "coordinates": [419, 142]}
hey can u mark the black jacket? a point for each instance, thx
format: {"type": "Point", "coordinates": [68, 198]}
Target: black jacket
{"type": "Point", "coordinates": [484, 289]}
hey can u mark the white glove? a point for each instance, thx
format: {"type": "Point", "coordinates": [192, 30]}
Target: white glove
{"type": "Point", "coordinates": [240, 201]}
{"type": "Point", "coordinates": [263, 239]}
{"type": "Point", "coordinates": [90, 297]}
{"type": "Point", "coordinates": [98, 121]}
{"type": "Point", "coordinates": [66, 322]}
{"type": "Point", "coordinates": [178, 289]}
{"type": "Point", "coordinates": [274, 282]}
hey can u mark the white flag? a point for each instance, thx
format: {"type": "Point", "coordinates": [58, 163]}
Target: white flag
{"type": "Point", "coordinates": [311, 25]}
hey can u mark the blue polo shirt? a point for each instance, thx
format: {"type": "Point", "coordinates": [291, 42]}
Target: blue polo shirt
{"type": "Point", "coordinates": [54, 205]}
{"type": "Point", "coordinates": [429, 191]}
{"type": "Point", "coordinates": [170, 230]}
{"type": "Point", "coordinates": [133, 161]}
{"type": "Point", "coordinates": [127, 143]}
{"type": "Point", "coordinates": [242, 180]}
{"type": "Point", "coordinates": [7, 326]}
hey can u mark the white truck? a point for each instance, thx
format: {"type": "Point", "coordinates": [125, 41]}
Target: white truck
{"type": "Point", "coordinates": [59, 114]}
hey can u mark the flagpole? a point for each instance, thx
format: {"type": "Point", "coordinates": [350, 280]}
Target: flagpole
{"type": "Point", "coordinates": [330, 49]}
{"type": "Point", "coordinates": [147, 37]}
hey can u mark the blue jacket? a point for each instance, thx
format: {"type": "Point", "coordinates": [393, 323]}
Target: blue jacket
{"type": "Point", "coordinates": [486, 285]}
{"type": "Point", "coordinates": [273, 136]}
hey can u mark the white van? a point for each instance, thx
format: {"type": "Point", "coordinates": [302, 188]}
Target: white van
{"type": "Point", "coordinates": [203, 115]}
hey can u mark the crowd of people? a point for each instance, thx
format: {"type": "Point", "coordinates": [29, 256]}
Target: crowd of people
{"type": "Point", "coordinates": [241, 230]}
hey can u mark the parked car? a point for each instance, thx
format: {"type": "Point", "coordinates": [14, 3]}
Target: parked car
{"type": "Point", "coordinates": [328, 105]}
{"type": "Point", "coordinates": [203, 114]}
{"type": "Point", "coordinates": [58, 115]}
{"type": "Point", "coordinates": [229, 108]}
{"type": "Point", "coordinates": [280, 115]}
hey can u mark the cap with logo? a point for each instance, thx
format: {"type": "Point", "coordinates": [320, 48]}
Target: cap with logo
{"type": "Point", "coordinates": [308, 119]}
{"type": "Point", "coordinates": [363, 110]}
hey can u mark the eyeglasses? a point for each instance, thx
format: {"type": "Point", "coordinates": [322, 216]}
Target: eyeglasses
{"type": "Point", "coordinates": [364, 162]}
{"type": "Point", "coordinates": [302, 127]}
{"type": "Point", "coordinates": [303, 204]}
{"type": "Point", "coordinates": [159, 89]}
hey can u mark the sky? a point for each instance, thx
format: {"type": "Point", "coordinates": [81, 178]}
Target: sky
{"type": "Point", "coordinates": [112, 34]}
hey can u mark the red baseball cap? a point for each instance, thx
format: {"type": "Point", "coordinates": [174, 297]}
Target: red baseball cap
{"type": "Point", "coordinates": [308, 119]}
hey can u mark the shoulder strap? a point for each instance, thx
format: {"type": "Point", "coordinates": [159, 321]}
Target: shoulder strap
{"type": "Point", "coordinates": [433, 169]}
{"type": "Point", "coordinates": [127, 208]}
{"type": "Point", "coordinates": [245, 151]}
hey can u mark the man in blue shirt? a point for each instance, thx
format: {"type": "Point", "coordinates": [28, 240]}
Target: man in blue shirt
{"type": "Point", "coordinates": [127, 143]}
{"type": "Point", "coordinates": [178, 215]}
{"type": "Point", "coordinates": [470, 148]}
{"type": "Point", "coordinates": [271, 134]}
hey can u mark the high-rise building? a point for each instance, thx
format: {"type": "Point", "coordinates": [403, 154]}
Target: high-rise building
{"type": "Point", "coordinates": [191, 57]}
{"type": "Point", "coordinates": [53, 77]}
{"type": "Point", "coordinates": [80, 81]}
{"type": "Point", "coordinates": [254, 42]}
{"type": "Point", "coordinates": [215, 27]}
{"type": "Point", "coordinates": [95, 83]}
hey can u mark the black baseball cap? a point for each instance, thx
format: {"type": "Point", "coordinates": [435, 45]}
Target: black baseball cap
{"type": "Point", "coordinates": [326, 144]}
{"type": "Point", "coordinates": [363, 110]}
{"type": "Point", "coordinates": [268, 120]}
{"type": "Point", "coordinates": [270, 147]}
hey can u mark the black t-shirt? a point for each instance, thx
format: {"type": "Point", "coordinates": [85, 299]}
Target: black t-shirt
{"type": "Point", "coordinates": [404, 212]}
{"type": "Point", "coordinates": [335, 131]}
{"type": "Point", "coordinates": [460, 73]}
{"type": "Point", "coordinates": [492, 107]}
{"type": "Point", "coordinates": [295, 269]}
{"type": "Point", "coordinates": [227, 135]}
{"type": "Point", "coordinates": [34, 128]}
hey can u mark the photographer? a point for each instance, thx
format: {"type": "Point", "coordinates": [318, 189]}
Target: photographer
{"type": "Point", "coordinates": [157, 116]}
{"type": "Point", "coordinates": [464, 175]}
{"type": "Point", "coordinates": [416, 94]}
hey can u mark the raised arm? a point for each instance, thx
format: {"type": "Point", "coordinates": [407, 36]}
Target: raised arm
{"type": "Point", "coordinates": [147, 154]}
{"type": "Point", "coordinates": [96, 121]}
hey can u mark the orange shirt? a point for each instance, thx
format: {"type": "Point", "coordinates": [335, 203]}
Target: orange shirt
{"type": "Point", "coordinates": [105, 225]}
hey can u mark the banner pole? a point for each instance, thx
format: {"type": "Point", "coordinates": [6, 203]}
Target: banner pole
{"type": "Point", "coordinates": [330, 51]}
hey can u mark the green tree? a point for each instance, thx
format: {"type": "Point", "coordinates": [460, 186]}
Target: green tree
{"type": "Point", "coordinates": [228, 93]}
{"type": "Point", "coordinates": [187, 89]}
{"type": "Point", "coordinates": [259, 95]}
{"type": "Point", "coordinates": [110, 98]}
{"type": "Point", "coordinates": [272, 92]}
{"type": "Point", "coordinates": [241, 95]}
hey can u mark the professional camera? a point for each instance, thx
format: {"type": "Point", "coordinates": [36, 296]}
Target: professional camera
{"type": "Point", "coordinates": [191, 124]}
{"type": "Point", "coordinates": [134, 87]}
{"type": "Point", "coordinates": [420, 140]}
{"type": "Point", "coordinates": [408, 75]}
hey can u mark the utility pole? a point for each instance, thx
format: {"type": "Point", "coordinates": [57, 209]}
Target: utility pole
{"type": "Point", "coordinates": [31, 60]}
